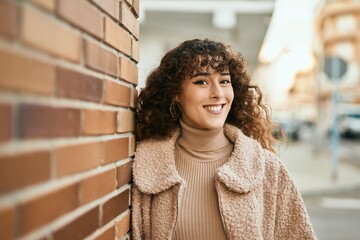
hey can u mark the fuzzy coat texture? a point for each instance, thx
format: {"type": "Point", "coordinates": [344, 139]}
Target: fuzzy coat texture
{"type": "Point", "coordinates": [257, 197]}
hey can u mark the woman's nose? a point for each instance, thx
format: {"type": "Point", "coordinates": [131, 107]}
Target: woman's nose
{"type": "Point", "coordinates": [216, 91]}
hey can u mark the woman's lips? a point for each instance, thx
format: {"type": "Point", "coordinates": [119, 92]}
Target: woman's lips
{"type": "Point", "coordinates": [214, 108]}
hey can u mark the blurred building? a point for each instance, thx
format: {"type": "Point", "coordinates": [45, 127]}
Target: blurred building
{"type": "Point", "coordinates": [301, 35]}
{"type": "Point", "coordinates": [166, 23]}
{"type": "Point", "coordinates": [287, 66]}
{"type": "Point", "coordinates": [339, 32]}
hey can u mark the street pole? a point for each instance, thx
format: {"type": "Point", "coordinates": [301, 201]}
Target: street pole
{"type": "Point", "coordinates": [335, 69]}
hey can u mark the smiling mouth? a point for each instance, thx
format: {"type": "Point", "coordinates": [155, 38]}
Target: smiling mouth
{"type": "Point", "coordinates": [214, 108]}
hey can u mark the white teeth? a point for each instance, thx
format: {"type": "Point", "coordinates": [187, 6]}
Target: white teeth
{"type": "Point", "coordinates": [214, 109]}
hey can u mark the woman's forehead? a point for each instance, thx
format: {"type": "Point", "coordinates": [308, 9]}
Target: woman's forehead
{"type": "Point", "coordinates": [210, 69]}
{"type": "Point", "coordinates": [211, 65]}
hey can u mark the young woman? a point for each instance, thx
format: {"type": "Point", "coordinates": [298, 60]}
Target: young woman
{"type": "Point", "coordinates": [204, 167]}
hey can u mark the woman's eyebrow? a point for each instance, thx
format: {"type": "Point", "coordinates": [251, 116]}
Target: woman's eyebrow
{"type": "Point", "coordinates": [207, 74]}
{"type": "Point", "coordinates": [200, 74]}
{"type": "Point", "coordinates": [224, 73]}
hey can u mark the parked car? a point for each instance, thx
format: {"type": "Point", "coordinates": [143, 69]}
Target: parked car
{"type": "Point", "coordinates": [290, 125]}
{"type": "Point", "coordinates": [349, 125]}
{"type": "Point", "coordinates": [291, 128]}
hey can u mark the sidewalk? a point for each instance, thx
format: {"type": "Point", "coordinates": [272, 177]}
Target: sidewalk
{"type": "Point", "coordinates": [311, 169]}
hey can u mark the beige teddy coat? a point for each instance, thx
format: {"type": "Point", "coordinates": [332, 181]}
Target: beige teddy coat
{"type": "Point", "coordinates": [257, 197]}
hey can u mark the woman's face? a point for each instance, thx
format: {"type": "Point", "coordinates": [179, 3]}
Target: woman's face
{"type": "Point", "coordinates": [206, 98]}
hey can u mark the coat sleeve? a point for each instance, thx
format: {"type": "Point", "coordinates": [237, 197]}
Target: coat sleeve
{"type": "Point", "coordinates": [292, 220]}
{"type": "Point", "coordinates": [140, 214]}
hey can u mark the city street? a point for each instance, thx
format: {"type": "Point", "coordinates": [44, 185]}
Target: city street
{"type": "Point", "coordinates": [350, 151]}
{"type": "Point", "coordinates": [333, 205]}
{"type": "Point", "coordinates": [335, 216]}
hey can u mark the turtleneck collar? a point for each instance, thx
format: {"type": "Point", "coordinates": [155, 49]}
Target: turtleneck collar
{"type": "Point", "coordinates": [202, 139]}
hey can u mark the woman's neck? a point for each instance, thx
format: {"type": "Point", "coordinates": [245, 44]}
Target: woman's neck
{"type": "Point", "coordinates": [202, 139]}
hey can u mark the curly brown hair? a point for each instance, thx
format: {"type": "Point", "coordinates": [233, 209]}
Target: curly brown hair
{"type": "Point", "coordinates": [156, 121]}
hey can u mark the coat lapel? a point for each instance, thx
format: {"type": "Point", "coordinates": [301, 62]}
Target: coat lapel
{"type": "Point", "coordinates": [154, 167]}
{"type": "Point", "coordinates": [246, 166]}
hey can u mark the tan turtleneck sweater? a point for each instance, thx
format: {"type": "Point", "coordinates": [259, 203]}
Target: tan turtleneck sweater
{"type": "Point", "coordinates": [198, 154]}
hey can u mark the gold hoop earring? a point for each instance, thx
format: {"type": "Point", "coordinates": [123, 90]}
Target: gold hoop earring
{"type": "Point", "coordinates": [174, 110]}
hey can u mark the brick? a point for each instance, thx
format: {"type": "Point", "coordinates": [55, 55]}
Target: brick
{"type": "Point", "coordinates": [133, 97]}
{"type": "Point", "coordinates": [128, 19]}
{"type": "Point", "coordinates": [123, 226]}
{"type": "Point", "coordinates": [7, 220]}
{"type": "Point", "coordinates": [49, 5]}
{"type": "Point", "coordinates": [44, 238]}
{"type": "Point", "coordinates": [100, 59]}
{"type": "Point", "coordinates": [115, 150]}
{"type": "Point", "coordinates": [79, 228]}
{"type": "Point", "coordinates": [77, 158]}
{"type": "Point", "coordinates": [107, 234]}
{"type": "Point", "coordinates": [135, 50]}
{"type": "Point", "coordinates": [8, 23]}
{"type": "Point", "coordinates": [47, 34]}
{"type": "Point", "coordinates": [23, 74]}
{"type": "Point", "coordinates": [111, 7]}
{"type": "Point", "coordinates": [136, 7]}
{"type": "Point", "coordinates": [39, 121]}
{"type": "Point", "coordinates": [83, 15]}
{"type": "Point", "coordinates": [97, 186]}
{"type": "Point", "coordinates": [115, 206]}
{"type": "Point", "coordinates": [41, 210]}
{"type": "Point", "coordinates": [71, 84]}
{"type": "Point", "coordinates": [98, 122]}
{"type": "Point", "coordinates": [117, 37]}
{"type": "Point", "coordinates": [128, 71]}
{"type": "Point", "coordinates": [23, 170]}
{"type": "Point", "coordinates": [124, 174]}
{"type": "Point", "coordinates": [126, 121]}
{"type": "Point", "coordinates": [116, 94]}
{"type": "Point", "coordinates": [6, 122]}
{"type": "Point", "coordinates": [132, 145]}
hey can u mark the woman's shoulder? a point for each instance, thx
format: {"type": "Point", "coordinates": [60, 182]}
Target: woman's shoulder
{"type": "Point", "coordinates": [275, 168]}
{"type": "Point", "coordinates": [154, 164]}
{"type": "Point", "coordinates": [152, 144]}
{"type": "Point", "coordinates": [144, 144]}
{"type": "Point", "coordinates": [272, 159]}
{"type": "Point", "coordinates": [152, 148]}
{"type": "Point", "coordinates": [149, 147]}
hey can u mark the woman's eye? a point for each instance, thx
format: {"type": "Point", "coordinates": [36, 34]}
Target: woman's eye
{"type": "Point", "coordinates": [225, 81]}
{"type": "Point", "coordinates": [200, 82]}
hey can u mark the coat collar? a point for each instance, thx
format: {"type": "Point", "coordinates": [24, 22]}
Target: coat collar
{"type": "Point", "coordinates": [154, 167]}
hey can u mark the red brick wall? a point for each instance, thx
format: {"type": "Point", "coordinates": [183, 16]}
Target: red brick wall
{"type": "Point", "coordinates": [68, 72]}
